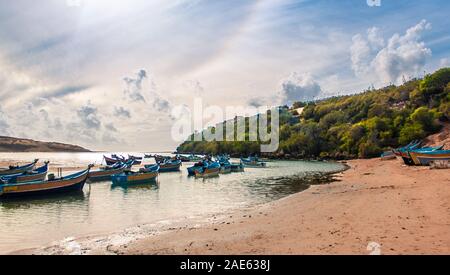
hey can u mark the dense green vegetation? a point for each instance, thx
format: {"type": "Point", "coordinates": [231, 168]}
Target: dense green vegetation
{"type": "Point", "coordinates": [361, 125]}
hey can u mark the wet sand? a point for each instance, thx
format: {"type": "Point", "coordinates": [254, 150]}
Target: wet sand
{"type": "Point", "coordinates": [376, 204]}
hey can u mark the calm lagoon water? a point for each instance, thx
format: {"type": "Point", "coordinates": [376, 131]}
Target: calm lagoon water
{"type": "Point", "coordinates": [100, 209]}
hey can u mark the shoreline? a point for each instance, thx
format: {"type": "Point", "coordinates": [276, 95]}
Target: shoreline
{"type": "Point", "coordinates": [404, 210]}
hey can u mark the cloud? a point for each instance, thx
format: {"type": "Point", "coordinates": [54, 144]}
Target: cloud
{"type": "Point", "coordinates": [121, 112]}
{"type": "Point", "coordinates": [444, 63]}
{"type": "Point", "coordinates": [3, 124]}
{"type": "Point", "coordinates": [402, 56]}
{"type": "Point", "coordinates": [89, 116]}
{"type": "Point", "coordinates": [298, 87]}
{"type": "Point", "coordinates": [110, 126]}
{"type": "Point", "coordinates": [134, 86]}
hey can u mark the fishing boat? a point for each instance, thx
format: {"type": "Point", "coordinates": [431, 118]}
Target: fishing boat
{"type": "Point", "coordinates": [194, 158]}
{"type": "Point", "coordinates": [74, 182]}
{"type": "Point", "coordinates": [253, 162]}
{"type": "Point", "coordinates": [197, 166]}
{"type": "Point", "coordinates": [14, 170]}
{"type": "Point", "coordinates": [237, 167]}
{"type": "Point", "coordinates": [137, 160]}
{"type": "Point", "coordinates": [111, 161]}
{"type": "Point", "coordinates": [105, 173]}
{"type": "Point", "coordinates": [170, 166]}
{"type": "Point", "coordinates": [152, 167]}
{"type": "Point", "coordinates": [132, 178]}
{"type": "Point", "coordinates": [426, 157]}
{"type": "Point", "coordinates": [209, 170]}
{"type": "Point", "coordinates": [389, 155]}
{"type": "Point", "coordinates": [225, 165]}
{"type": "Point", "coordinates": [34, 175]}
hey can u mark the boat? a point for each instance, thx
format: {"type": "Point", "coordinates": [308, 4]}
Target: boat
{"type": "Point", "coordinates": [425, 158]}
{"type": "Point", "coordinates": [111, 161]}
{"type": "Point", "coordinates": [210, 169]}
{"type": "Point", "coordinates": [194, 158]}
{"type": "Point", "coordinates": [14, 170]}
{"type": "Point", "coordinates": [237, 167]}
{"type": "Point", "coordinates": [71, 183]}
{"type": "Point", "coordinates": [388, 155]}
{"type": "Point", "coordinates": [253, 162]}
{"type": "Point", "coordinates": [414, 146]}
{"type": "Point", "coordinates": [225, 165]}
{"type": "Point", "coordinates": [170, 166]}
{"type": "Point", "coordinates": [34, 175]}
{"type": "Point", "coordinates": [197, 166]}
{"type": "Point", "coordinates": [132, 178]}
{"type": "Point", "coordinates": [152, 167]}
{"type": "Point", "coordinates": [137, 160]}
{"type": "Point", "coordinates": [105, 173]}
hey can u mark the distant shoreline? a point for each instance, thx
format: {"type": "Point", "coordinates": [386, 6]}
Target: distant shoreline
{"type": "Point", "coordinates": [23, 145]}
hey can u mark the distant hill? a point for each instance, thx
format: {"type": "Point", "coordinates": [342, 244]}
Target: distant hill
{"type": "Point", "coordinates": [354, 126]}
{"type": "Point", "coordinates": [11, 144]}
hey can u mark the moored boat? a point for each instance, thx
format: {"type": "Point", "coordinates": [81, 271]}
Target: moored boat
{"type": "Point", "coordinates": [253, 162]}
{"type": "Point", "coordinates": [170, 166]}
{"type": "Point", "coordinates": [132, 178]}
{"type": "Point", "coordinates": [74, 182]}
{"type": "Point", "coordinates": [426, 157]}
{"type": "Point", "coordinates": [105, 173]}
{"type": "Point", "coordinates": [197, 166]}
{"type": "Point", "coordinates": [211, 169]}
{"type": "Point", "coordinates": [13, 170]}
{"type": "Point", "coordinates": [237, 167]}
{"type": "Point", "coordinates": [34, 175]}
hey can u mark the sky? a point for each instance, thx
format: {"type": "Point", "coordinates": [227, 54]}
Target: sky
{"type": "Point", "coordinates": [106, 74]}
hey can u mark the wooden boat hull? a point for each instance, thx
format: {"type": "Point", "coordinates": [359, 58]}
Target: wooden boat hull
{"type": "Point", "coordinates": [44, 187]}
{"type": "Point", "coordinates": [191, 170]}
{"type": "Point", "coordinates": [425, 159]}
{"type": "Point", "coordinates": [225, 170]}
{"type": "Point", "coordinates": [104, 175]}
{"type": "Point", "coordinates": [171, 167]}
{"type": "Point", "coordinates": [208, 173]}
{"type": "Point", "coordinates": [135, 178]}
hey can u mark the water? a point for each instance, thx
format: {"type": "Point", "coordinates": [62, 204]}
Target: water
{"type": "Point", "coordinates": [100, 209]}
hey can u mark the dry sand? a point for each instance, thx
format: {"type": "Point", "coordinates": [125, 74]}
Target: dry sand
{"type": "Point", "coordinates": [406, 210]}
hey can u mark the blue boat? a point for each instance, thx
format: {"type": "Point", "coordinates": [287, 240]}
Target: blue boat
{"type": "Point", "coordinates": [71, 183]}
{"type": "Point", "coordinates": [133, 178]}
{"type": "Point", "coordinates": [152, 167]}
{"type": "Point", "coordinates": [14, 170]}
{"type": "Point", "coordinates": [225, 165]}
{"type": "Point", "coordinates": [196, 167]}
{"type": "Point", "coordinates": [105, 173]}
{"type": "Point", "coordinates": [210, 169]}
{"type": "Point", "coordinates": [253, 162]}
{"type": "Point", "coordinates": [35, 175]}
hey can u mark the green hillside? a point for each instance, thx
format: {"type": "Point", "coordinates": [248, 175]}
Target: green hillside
{"type": "Point", "coordinates": [354, 126]}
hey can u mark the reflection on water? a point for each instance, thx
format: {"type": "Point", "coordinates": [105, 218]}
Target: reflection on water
{"type": "Point", "coordinates": [103, 209]}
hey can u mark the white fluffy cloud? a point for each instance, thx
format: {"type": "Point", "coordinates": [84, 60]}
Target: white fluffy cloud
{"type": "Point", "coordinates": [388, 62]}
{"type": "Point", "coordinates": [299, 87]}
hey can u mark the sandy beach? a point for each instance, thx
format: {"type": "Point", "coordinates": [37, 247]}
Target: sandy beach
{"type": "Point", "coordinates": [406, 210]}
{"type": "Point", "coordinates": [376, 204]}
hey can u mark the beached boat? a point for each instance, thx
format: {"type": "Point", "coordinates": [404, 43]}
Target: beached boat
{"type": "Point", "coordinates": [132, 178]}
{"type": "Point", "coordinates": [426, 157]}
{"type": "Point", "coordinates": [137, 160]}
{"type": "Point", "coordinates": [211, 169]}
{"type": "Point", "coordinates": [111, 161]}
{"type": "Point", "coordinates": [170, 166]}
{"type": "Point", "coordinates": [237, 167]}
{"type": "Point", "coordinates": [74, 182]}
{"type": "Point", "coordinates": [105, 173]}
{"type": "Point", "coordinates": [253, 162]}
{"type": "Point", "coordinates": [13, 170]}
{"type": "Point", "coordinates": [34, 175]}
{"type": "Point", "coordinates": [389, 155]}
